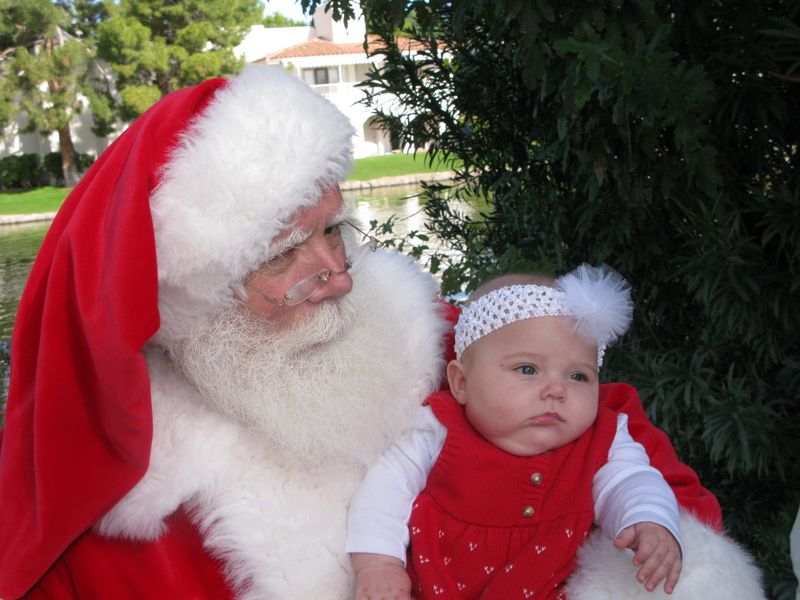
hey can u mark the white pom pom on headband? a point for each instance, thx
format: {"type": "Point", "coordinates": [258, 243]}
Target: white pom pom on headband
{"type": "Point", "coordinates": [598, 298]}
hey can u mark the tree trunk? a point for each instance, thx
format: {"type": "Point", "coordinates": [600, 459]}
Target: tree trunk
{"type": "Point", "coordinates": [68, 156]}
{"type": "Point", "coordinates": [162, 81]}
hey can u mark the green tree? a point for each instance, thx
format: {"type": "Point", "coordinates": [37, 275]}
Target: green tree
{"type": "Point", "coordinates": [47, 61]}
{"type": "Point", "coordinates": [279, 20]}
{"type": "Point", "coordinates": [158, 46]}
{"type": "Point", "coordinates": [659, 136]}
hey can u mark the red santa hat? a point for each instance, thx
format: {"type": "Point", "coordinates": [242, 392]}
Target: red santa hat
{"type": "Point", "coordinates": [159, 233]}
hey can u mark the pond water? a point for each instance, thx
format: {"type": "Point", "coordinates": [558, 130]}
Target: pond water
{"type": "Point", "coordinates": [19, 243]}
{"type": "Point", "coordinates": [18, 247]}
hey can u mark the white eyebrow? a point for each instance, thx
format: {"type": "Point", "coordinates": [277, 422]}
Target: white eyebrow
{"type": "Point", "coordinates": [298, 236]}
{"type": "Point", "coordinates": [294, 239]}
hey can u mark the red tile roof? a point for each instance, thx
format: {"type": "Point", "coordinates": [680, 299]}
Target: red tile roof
{"type": "Point", "coordinates": [322, 47]}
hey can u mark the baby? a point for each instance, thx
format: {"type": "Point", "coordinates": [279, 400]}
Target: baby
{"type": "Point", "coordinates": [518, 461]}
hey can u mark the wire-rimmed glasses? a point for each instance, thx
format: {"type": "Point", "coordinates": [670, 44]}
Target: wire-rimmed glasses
{"type": "Point", "coordinates": [302, 290]}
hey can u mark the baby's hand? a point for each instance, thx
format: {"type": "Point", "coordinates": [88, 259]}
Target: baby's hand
{"type": "Point", "coordinates": [380, 577]}
{"type": "Point", "coordinates": [657, 553]}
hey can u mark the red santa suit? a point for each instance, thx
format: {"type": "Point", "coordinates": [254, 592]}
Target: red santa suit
{"type": "Point", "coordinates": [117, 477]}
{"type": "Point", "coordinates": [174, 566]}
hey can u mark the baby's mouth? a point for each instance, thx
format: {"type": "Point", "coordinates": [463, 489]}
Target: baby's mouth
{"type": "Point", "coordinates": [548, 418]}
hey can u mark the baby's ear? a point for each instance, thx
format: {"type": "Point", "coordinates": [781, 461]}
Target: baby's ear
{"type": "Point", "coordinates": [457, 380]}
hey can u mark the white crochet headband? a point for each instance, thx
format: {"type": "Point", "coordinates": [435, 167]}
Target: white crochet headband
{"type": "Point", "coordinates": [598, 298]}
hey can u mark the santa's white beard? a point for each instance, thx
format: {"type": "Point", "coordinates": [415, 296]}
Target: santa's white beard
{"type": "Point", "coordinates": [315, 390]}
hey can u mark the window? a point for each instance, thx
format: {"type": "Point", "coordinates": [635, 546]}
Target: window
{"type": "Point", "coordinates": [321, 75]}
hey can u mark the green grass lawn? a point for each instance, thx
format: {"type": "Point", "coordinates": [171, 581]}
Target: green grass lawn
{"type": "Point", "coordinates": [41, 200]}
{"type": "Point", "coordinates": [49, 199]}
{"type": "Point", "coordinates": [395, 164]}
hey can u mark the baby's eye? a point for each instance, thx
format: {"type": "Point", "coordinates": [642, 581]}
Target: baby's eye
{"type": "Point", "coordinates": [526, 369]}
{"type": "Point", "coordinates": [579, 377]}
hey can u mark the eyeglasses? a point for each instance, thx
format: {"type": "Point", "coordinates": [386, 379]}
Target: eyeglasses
{"type": "Point", "coordinates": [302, 290]}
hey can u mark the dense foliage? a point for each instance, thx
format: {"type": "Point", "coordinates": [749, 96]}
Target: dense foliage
{"type": "Point", "coordinates": [660, 137]}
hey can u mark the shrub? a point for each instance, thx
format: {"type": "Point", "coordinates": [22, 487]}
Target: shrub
{"type": "Point", "coordinates": [21, 171]}
{"type": "Point", "coordinates": [54, 168]}
{"type": "Point", "coordinates": [85, 160]}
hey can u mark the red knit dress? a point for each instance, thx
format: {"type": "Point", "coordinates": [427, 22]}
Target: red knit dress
{"type": "Point", "coordinates": [492, 525]}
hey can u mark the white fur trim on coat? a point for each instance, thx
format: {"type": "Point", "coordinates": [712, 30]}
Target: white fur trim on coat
{"type": "Point", "coordinates": [265, 146]}
{"type": "Point", "coordinates": [714, 568]}
{"type": "Point", "coordinates": [279, 524]}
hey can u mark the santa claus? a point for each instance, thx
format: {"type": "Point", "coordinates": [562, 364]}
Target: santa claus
{"type": "Point", "coordinates": [206, 358]}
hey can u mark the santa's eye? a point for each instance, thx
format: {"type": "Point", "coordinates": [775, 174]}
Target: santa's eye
{"type": "Point", "coordinates": [335, 229]}
{"type": "Point", "coordinates": [278, 265]}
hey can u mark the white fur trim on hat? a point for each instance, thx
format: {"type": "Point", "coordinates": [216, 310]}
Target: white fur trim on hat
{"type": "Point", "coordinates": [266, 146]}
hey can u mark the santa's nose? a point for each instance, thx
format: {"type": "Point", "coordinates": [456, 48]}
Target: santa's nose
{"type": "Point", "coordinates": [339, 283]}
{"type": "Point", "coordinates": [331, 257]}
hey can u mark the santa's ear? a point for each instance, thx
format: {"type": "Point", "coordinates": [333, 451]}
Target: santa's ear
{"type": "Point", "coordinates": [457, 379]}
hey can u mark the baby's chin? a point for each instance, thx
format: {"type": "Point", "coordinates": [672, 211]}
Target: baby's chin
{"type": "Point", "coordinates": [535, 440]}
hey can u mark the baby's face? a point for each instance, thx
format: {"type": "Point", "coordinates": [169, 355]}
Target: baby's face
{"type": "Point", "coordinates": [530, 386]}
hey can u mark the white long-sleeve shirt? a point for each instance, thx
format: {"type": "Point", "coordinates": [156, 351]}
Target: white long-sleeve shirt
{"type": "Point", "coordinates": [626, 490]}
